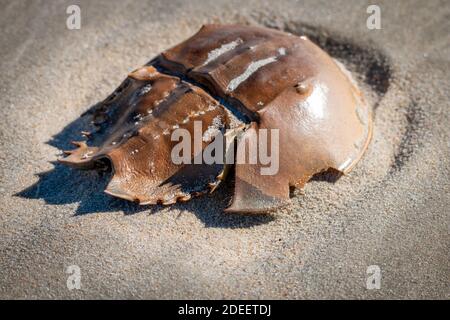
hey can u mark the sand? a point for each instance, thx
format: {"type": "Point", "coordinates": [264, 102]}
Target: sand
{"type": "Point", "coordinates": [391, 210]}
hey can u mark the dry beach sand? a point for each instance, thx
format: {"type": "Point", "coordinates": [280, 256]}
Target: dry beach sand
{"type": "Point", "coordinates": [392, 210]}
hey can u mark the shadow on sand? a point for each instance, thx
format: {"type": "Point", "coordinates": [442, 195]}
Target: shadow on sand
{"type": "Point", "coordinates": [64, 185]}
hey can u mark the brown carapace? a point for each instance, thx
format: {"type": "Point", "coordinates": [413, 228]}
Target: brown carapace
{"type": "Point", "coordinates": [228, 77]}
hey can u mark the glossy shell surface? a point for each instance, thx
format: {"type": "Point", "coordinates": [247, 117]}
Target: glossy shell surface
{"type": "Point", "coordinates": [266, 79]}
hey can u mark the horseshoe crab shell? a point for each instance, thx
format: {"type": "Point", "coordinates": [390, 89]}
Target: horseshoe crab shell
{"type": "Point", "coordinates": [226, 74]}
